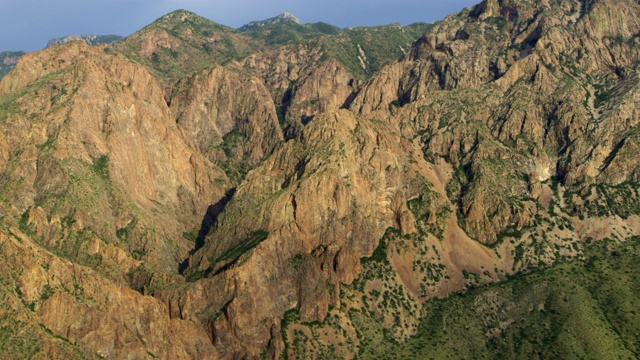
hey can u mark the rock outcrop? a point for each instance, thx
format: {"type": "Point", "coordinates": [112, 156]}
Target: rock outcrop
{"type": "Point", "coordinates": [285, 17]}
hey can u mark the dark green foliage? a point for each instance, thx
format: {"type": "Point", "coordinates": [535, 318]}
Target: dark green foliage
{"type": "Point", "coordinates": [290, 316]}
{"type": "Point", "coordinates": [603, 96]}
{"type": "Point", "coordinates": [197, 275]}
{"type": "Point", "coordinates": [48, 291]}
{"type": "Point", "coordinates": [380, 45]}
{"type": "Point", "coordinates": [24, 220]}
{"type": "Point", "coordinates": [380, 253]}
{"type": "Point", "coordinates": [511, 231]}
{"type": "Point", "coordinates": [393, 106]}
{"type": "Point", "coordinates": [231, 141]}
{"type": "Point", "coordinates": [622, 200]}
{"type": "Point", "coordinates": [422, 208]}
{"type": "Point", "coordinates": [190, 236]}
{"type": "Point", "coordinates": [233, 252]}
{"type": "Point", "coordinates": [101, 167]}
{"type": "Point", "coordinates": [297, 262]}
{"type": "Point", "coordinates": [123, 233]}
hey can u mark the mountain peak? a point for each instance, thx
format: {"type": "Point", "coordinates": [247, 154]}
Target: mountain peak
{"type": "Point", "coordinates": [285, 17]}
{"type": "Point", "coordinates": [179, 16]}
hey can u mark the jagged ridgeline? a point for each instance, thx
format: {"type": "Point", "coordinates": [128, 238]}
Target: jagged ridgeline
{"type": "Point", "coordinates": [462, 189]}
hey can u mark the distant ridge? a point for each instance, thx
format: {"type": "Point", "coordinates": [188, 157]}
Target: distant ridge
{"type": "Point", "coordinates": [285, 17]}
{"type": "Point", "coordinates": [8, 60]}
{"type": "Point", "coordinates": [88, 39]}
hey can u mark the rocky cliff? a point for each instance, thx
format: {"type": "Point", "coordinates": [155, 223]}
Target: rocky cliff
{"type": "Point", "coordinates": [252, 201]}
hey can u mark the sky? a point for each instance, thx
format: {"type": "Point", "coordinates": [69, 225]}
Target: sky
{"type": "Point", "coordinates": [28, 24]}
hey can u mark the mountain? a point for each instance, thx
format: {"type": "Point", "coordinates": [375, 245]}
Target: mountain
{"type": "Point", "coordinates": [88, 39]}
{"type": "Point", "coordinates": [285, 17]}
{"type": "Point", "coordinates": [8, 60]}
{"type": "Point", "coordinates": [182, 43]}
{"type": "Point", "coordinates": [475, 197]}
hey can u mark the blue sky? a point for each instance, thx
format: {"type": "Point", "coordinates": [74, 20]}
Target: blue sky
{"type": "Point", "coordinates": [29, 24]}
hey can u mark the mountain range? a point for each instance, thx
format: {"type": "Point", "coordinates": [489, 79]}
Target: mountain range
{"type": "Point", "coordinates": [462, 189]}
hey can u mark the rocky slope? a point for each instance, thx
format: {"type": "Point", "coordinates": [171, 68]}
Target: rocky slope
{"type": "Point", "coordinates": [285, 206]}
{"type": "Point", "coordinates": [98, 186]}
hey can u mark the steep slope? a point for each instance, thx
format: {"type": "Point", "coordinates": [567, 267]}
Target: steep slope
{"type": "Point", "coordinates": [182, 43]}
{"type": "Point", "coordinates": [231, 118]}
{"type": "Point", "coordinates": [365, 50]}
{"type": "Point", "coordinates": [319, 203]}
{"type": "Point", "coordinates": [98, 185]}
{"type": "Point", "coordinates": [80, 314]}
{"type": "Point", "coordinates": [579, 309]}
{"type": "Point", "coordinates": [95, 164]}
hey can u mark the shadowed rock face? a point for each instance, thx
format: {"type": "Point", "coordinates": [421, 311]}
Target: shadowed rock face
{"type": "Point", "coordinates": [254, 202]}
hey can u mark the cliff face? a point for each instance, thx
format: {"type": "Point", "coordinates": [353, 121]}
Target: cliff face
{"type": "Point", "coordinates": [231, 117]}
{"type": "Point", "coordinates": [96, 171]}
{"type": "Point", "coordinates": [199, 208]}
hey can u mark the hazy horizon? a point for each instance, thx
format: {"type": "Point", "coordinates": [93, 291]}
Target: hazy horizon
{"type": "Point", "coordinates": [27, 25]}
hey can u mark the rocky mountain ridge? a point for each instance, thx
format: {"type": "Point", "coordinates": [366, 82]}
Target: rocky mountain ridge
{"type": "Point", "coordinates": [285, 17]}
{"type": "Point", "coordinates": [251, 201]}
